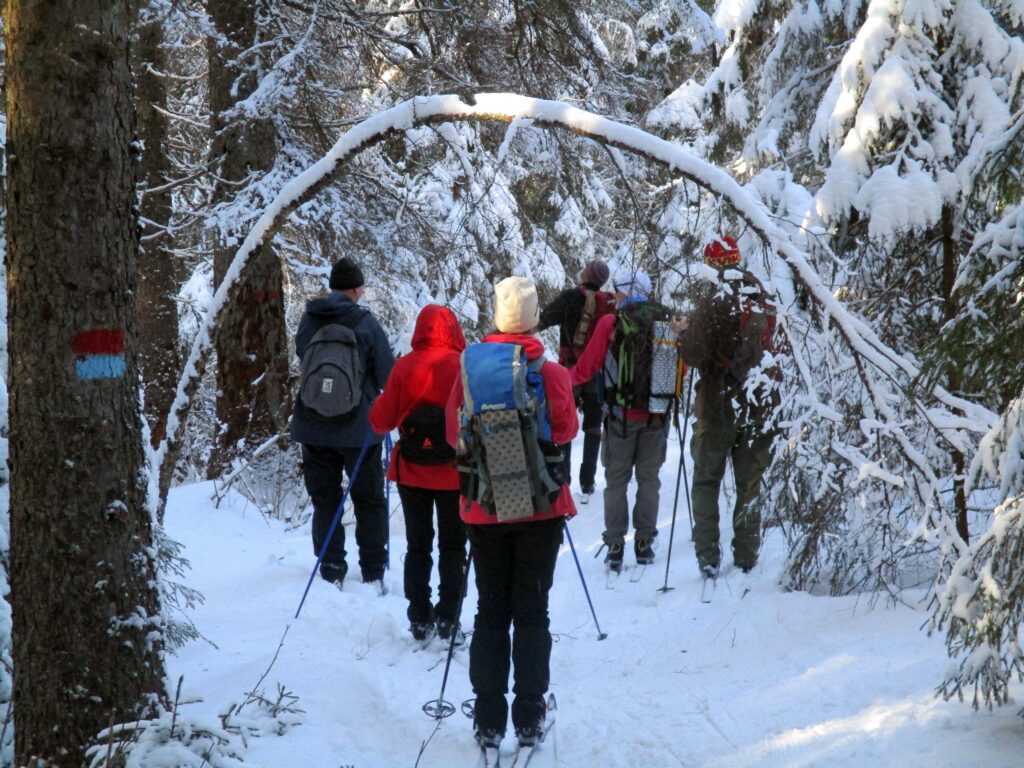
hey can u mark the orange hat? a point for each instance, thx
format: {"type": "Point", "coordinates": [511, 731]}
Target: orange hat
{"type": "Point", "coordinates": [722, 252]}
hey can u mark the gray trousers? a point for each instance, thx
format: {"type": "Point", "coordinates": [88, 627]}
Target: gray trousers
{"type": "Point", "coordinates": [627, 446]}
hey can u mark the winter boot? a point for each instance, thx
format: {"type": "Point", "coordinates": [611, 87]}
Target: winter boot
{"type": "Point", "coordinates": [530, 735]}
{"type": "Point", "coordinates": [644, 551]}
{"type": "Point", "coordinates": [614, 557]}
{"type": "Point", "coordinates": [335, 574]}
{"type": "Point", "coordinates": [488, 739]}
{"type": "Point", "coordinates": [421, 630]}
{"type": "Point", "coordinates": [709, 570]}
{"type": "Point", "coordinates": [445, 627]}
{"type": "Point", "coordinates": [528, 715]}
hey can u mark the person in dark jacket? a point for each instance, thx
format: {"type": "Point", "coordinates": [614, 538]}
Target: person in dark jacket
{"type": "Point", "coordinates": [331, 446]}
{"type": "Point", "coordinates": [413, 401]}
{"type": "Point", "coordinates": [515, 561]}
{"type": "Point", "coordinates": [732, 417]}
{"type": "Point", "coordinates": [566, 311]}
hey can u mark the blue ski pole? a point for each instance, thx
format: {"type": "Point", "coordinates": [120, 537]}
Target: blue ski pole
{"type": "Point", "coordinates": [600, 635]}
{"type": "Point", "coordinates": [387, 495]}
{"type": "Point", "coordinates": [337, 517]}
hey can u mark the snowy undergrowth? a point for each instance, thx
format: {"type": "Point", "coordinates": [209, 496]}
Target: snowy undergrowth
{"type": "Point", "coordinates": [760, 678]}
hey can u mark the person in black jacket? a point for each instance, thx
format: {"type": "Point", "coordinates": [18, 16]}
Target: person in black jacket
{"type": "Point", "coordinates": [566, 311]}
{"type": "Point", "coordinates": [331, 446]}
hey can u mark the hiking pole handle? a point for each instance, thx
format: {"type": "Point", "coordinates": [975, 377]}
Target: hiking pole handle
{"type": "Point", "coordinates": [337, 518]}
{"type": "Point", "coordinates": [600, 635]}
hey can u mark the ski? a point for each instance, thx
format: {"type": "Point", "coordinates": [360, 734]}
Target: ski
{"type": "Point", "coordinates": [612, 576]}
{"type": "Point", "coordinates": [527, 752]}
{"type": "Point", "coordinates": [490, 757]}
{"type": "Point", "coordinates": [704, 596]}
{"type": "Point", "coordinates": [637, 573]}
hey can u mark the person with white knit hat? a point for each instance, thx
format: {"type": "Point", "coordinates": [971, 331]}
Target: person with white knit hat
{"type": "Point", "coordinates": [514, 561]}
{"type": "Point", "coordinates": [635, 438]}
{"type": "Point", "coordinates": [516, 308]}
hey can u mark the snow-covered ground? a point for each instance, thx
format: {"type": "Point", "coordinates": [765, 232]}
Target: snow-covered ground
{"type": "Point", "coordinates": [766, 678]}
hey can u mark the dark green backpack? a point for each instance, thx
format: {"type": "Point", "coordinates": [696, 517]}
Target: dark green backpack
{"type": "Point", "coordinates": [640, 328]}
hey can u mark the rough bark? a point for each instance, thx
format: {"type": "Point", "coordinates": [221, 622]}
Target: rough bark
{"type": "Point", "coordinates": [85, 633]}
{"type": "Point", "coordinates": [159, 354]}
{"type": "Point", "coordinates": [253, 399]}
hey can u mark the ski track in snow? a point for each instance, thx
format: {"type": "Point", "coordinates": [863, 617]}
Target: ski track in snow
{"type": "Point", "coordinates": [766, 679]}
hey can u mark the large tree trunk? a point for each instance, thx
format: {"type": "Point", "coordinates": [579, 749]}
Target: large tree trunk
{"type": "Point", "coordinates": [253, 399]}
{"type": "Point", "coordinates": [159, 355]}
{"type": "Point", "coordinates": [86, 624]}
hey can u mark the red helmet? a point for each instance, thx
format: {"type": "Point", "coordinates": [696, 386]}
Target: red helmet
{"type": "Point", "coordinates": [722, 252]}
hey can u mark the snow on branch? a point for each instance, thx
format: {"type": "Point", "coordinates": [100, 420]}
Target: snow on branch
{"type": "Point", "coordinates": [876, 361]}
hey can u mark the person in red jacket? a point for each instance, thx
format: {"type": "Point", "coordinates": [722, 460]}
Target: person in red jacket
{"type": "Point", "coordinates": [423, 466]}
{"type": "Point", "coordinates": [637, 443]}
{"type": "Point", "coordinates": [515, 561]}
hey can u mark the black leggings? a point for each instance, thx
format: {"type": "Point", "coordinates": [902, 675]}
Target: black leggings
{"type": "Point", "coordinates": [418, 506]}
{"type": "Point", "coordinates": [515, 566]}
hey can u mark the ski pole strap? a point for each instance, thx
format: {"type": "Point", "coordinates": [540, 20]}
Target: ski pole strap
{"type": "Point", "coordinates": [334, 522]}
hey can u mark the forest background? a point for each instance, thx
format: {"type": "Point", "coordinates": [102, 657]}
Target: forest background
{"type": "Point", "coordinates": [882, 139]}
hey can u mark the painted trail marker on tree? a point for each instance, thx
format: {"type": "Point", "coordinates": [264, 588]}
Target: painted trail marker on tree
{"type": "Point", "coordinates": [99, 354]}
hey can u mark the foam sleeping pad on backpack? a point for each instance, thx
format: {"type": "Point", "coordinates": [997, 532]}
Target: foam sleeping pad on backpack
{"type": "Point", "coordinates": [505, 430]}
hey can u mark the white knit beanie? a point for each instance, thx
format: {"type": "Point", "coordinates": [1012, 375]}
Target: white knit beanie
{"type": "Point", "coordinates": [632, 282]}
{"type": "Point", "coordinates": [516, 309]}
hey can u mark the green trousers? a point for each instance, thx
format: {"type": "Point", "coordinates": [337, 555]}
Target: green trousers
{"type": "Point", "coordinates": [749, 447]}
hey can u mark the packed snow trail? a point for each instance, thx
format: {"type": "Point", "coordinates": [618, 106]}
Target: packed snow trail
{"type": "Point", "coordinates": [761, 678]}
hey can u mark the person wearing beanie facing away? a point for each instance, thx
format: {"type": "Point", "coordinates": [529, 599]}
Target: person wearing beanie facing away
{"type": "Point", "coordinates": [514, 534]}
{"type": "Point", "coordinates": [423, 465]}
{"type": "Point", "coordinates": [577, 311]}
{"type": "Point", "coordinates": [336, 334]}
{"type": "Point", "coordinates": [725, 337]}
{"type": "Point", "coordinates": [636, 431]}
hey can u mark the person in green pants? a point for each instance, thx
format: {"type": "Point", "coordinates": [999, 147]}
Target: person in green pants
{"type": "Point", "coordinates": [725, 338]}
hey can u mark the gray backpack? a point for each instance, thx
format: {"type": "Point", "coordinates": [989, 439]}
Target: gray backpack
{"type": "Point", "coordinates": [331, 375]}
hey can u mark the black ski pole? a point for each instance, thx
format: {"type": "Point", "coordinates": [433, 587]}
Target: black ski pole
{"type": "Point", "coordinates": [337, 517]}
{"type": "Point", "coordinates": [679, 473]}
{"type": "Point", "coordinates": [600, 635]}
{"type": "Point", "coordinates": [682, 442]}
{"type": "Point", "coordinates": [440, 708]}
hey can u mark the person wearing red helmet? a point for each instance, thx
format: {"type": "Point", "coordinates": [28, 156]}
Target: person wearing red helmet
{"type": "Point", "coordinates": [725, 339]}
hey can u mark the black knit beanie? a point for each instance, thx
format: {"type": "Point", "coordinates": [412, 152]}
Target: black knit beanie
{"type": "Point", "coordinates": [346, 274]}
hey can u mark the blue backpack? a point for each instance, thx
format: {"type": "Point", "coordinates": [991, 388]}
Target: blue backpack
{"type": "Point", "coordinates": [507, 460]}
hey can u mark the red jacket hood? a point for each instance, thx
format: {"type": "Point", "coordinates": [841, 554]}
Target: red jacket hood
{"type": "Point", "coordinates": [533, 346]}
{"type": "Point", "coordinates": [437, 326]}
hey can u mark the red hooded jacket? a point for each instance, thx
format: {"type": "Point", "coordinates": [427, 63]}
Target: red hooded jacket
{"type": "Point", "coordinates": [422, 377]}
{"type": "Point", "coordinates": [561, 410]}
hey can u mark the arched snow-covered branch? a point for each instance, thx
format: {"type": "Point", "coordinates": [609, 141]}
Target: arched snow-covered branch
{"type": "Point", "coordinates": [504, 107]}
